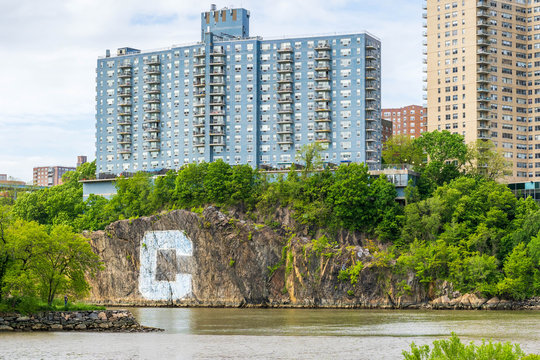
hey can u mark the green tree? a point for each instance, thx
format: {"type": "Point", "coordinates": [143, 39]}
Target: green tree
{"type": "Point", "coordinates": [216, 183]}
{"type": "Point", "coordinates": [519, 274]}
{"type": "Point", "coordinates": [190, 189]}
{"type": "Point", "coordinates": [310, 155]}
{"type": "Point", "coordinates": [442, 146]}
{"type": "Point", "coordinates": [163, 195]}
{"type": "Point", "coordinates": [133, 197]}
{"type": "Point", "coordinates": [349, 197]}
{"type": "Point", "coordinates": [401, 149]}
{"type": "Point", "coordinates": [483, 160]}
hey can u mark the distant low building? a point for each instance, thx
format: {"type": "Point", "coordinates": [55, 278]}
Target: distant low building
{"type": "Point", "coordinates": [3, 177]}
{"type": "Point", "coordinates": [81, 159]}
{"type": "Point", "coordinates": [409, 120]}
{"type": "Point", "coordinates": [49, 175]}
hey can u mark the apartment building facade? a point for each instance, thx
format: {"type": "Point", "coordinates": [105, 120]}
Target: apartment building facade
{"type": "Point", "coordinates": [238, 98]}
{"type": "Point", "coordinates": [483, 75]}
{"type": "Point", "coordinates": [409, 120]}
{"type": "Point", "coordinates": [49, 175]}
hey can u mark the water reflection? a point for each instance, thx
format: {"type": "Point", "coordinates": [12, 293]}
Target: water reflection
{"type": "Point", "coordinates": [276, 334]}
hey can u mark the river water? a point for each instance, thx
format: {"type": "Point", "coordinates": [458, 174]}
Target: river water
{"type": "Point", "coordinates": [277, 334]}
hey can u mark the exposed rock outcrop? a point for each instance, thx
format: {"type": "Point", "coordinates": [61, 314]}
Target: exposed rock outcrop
{"type": "Point", "coordinates": [219, 259]}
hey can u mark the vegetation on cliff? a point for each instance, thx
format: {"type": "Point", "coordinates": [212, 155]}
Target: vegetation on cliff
{"type": "Point", "coordinates": [458, 224]}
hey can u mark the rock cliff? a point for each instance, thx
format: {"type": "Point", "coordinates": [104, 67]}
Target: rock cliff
{"type": "Point", "coordinates": [183, 258]}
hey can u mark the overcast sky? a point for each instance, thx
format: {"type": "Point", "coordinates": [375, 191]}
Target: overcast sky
{"type": "Point", "coordinates": [49, 49]}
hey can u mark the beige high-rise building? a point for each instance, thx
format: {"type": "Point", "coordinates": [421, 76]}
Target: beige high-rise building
{"type": "Point", "coordinates": [483, 75]}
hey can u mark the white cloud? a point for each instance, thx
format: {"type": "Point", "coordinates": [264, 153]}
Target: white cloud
{"type": "Point", "coordinates": [48, 53]}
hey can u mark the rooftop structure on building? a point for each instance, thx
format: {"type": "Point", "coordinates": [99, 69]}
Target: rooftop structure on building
{"type": "Point", "coordinates": [482, 78]}
{"type": "Point", "coordinates": [238, 98]}
{"type": "Point", "coordinates": [410, 120]}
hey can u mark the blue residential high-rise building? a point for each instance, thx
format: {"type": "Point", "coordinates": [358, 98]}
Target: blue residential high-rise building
{"type": "Point", "coordinates": [239, 98]}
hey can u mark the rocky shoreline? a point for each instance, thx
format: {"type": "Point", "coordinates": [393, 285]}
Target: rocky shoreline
{"type": "Point", "coordinates": [101, 320]}
{"type": "Point", "coordinates": [464, 302]}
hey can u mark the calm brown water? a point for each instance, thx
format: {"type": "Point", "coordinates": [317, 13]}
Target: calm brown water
{"type": "Point", "coordinates": [277, 334]}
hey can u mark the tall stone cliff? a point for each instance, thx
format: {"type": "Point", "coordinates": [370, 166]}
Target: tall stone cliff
{"type": "Point", "coordinates": [183, 258]}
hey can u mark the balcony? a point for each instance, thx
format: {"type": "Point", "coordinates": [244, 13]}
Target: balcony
{"type": "Point", "coordinates": [323, 88]}
{"type": "Point", "coordinates": [370, 55]}
{"type": "Point", "coordinates": [322, 56]}
{"type": "Point", "coordinates": [199, 104]}
{"type": "Point", "coordinates": [124, 84]}
{"type": "Point", "coordinates": [152, 109]}
{"type": "Point", "coordinates": [483, 60]}
{"type": "Point", "coordinates": [284, 119]}
{"type": "Point", "coordinates": [199, 64]}
{"type": "Point", "coordinates": [482, 70]}
{"type": "Point", "coordinates": [322, 109]}
{"type": "Point", "coordinates": [370, 46]}
{"type": "Point", "coordinates": [125, 139]}
{"type": "Point", "coordinates": [324, 46]}
{"type": "Point", "coordinates": [153, 90]}
{"type": "Point", "coordinates": [482, 5]}
{"type": "Point", "coordinates": [285, 79]}
{"type": "Point", "coordinates": [198, 133]}
{"type": "Point", "coordinates": [323, 138]}
{"type": "Point", "coordinates": [152, 100]}
{"type": "Point", "coordinates": [284, 139]}
{"type": "Point", "coordinates": [123, 130]}
{"type": "Point", "coordinates": [124, 149]}
{"type": "Point", "coordinates": [285, 110]}
{"type": "Point", "coordinates": [152, 70]}
{"type": "Point", "coordinates": [371, 65]}
{"type": "Point", "coordinates": [124, 111]}
{"type": "Point", "coordinates": [124, 120]}
{"type": "Point", "coordinates": [125, 74]}
{"type": "Point", "coordinates": [217, 61]}
{"type": "Point", "coordinates": [323, 127]}
{"type": "Point", "coordinates": [323, 118]}
{"type": "Point", "coordinates": [124, 65]}
{"type": "Point", "coordinates": [151, 119]}
{"type": "Point", "coordinates": [285, 130]}
{"type": "Point", "coordinates": [152, 80]}
{"type": "Point", "coordinates": [200, 73]}
{"type": "Point", "coordinates": [199, 53]}
{"type": "Point", "coordinates": [217, 80]}
{"type": "Point", "coordinates": [150, 128]}
{"type": "Point", "coordinates": [124, 93]}
{"type": "Point", "coordinates": [217, 51]}
{"type": "Point", "coordinates": [284, 69]}
{"type": "Point", "coordinates": [285, 59]}
{"type": "Point", "coordinates": [199, 93]}
{"type": "Point", "coordinates": [199, 114]}
{"type": "Point", "coordinates": [285, 49]}
{"type": "Point", "coordinates": [199, 143]}
{"type": "Point", "coordinates": [482, 23]}
{"type": "Point", "coordinates": [284, 100]}
{"type": "Point", "coordinates": [199, 83]}
{"type": "Point", "coordinates": [482, 14]}
{"type": "Point", "coordinates": [218, 71]}
{"type": "Point", "coordinates": [284, 89]}
{"type": "Point", "coordinates": [323, 98]}
{"type": "Point", "coordinates": [152, 61]}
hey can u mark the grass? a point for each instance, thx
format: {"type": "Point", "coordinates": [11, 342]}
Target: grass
{"type": "Point", "coordinates": [28, 305]}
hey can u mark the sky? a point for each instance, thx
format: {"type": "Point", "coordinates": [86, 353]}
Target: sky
{"type": "Point", "coordinates": [49, 51]}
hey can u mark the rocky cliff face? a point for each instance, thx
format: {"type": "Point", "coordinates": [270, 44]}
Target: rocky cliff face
{"type": "Point", "coordinates": [214, 259]}
{"type": "Point", "coordinates": [183, 258]}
